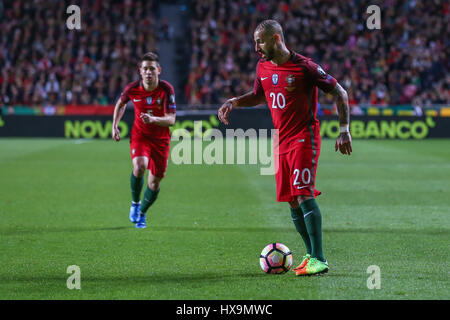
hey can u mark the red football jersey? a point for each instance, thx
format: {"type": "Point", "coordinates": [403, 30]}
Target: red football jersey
{"type": "Point", "coordinates": [291, 94]}
{"type": "Point", "coordinates": [158, 103]}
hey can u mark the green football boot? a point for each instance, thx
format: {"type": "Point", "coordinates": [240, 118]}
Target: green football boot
{"type": "Point", "coordinates": [303, 263]}
{"type": "Point", "coordinates": [313, 267]}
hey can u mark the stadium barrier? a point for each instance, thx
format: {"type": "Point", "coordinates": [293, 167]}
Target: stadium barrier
{"type": "Point", "coordinates": [197, 123]}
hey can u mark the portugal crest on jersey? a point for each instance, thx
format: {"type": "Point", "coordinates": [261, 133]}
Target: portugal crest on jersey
{"type": "Point", "coordinates": [149, 100]}
{"type": "Point", "coordinates": [158, 101]}
{"type": "Point", "coordinates": [290, 79]}
{"type": "Point", "coordinates": [275, 79]}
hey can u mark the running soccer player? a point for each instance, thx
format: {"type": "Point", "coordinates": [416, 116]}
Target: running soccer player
{"type": "Point", "coordinates": [288, 82]}
{"type": "Point", "coordinates": [154, 113]}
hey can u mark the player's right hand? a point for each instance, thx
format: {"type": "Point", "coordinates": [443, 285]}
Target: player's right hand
{"type": "Point", "coordinates": [224, 112]}
{"type": "Point", "coordinates": [344, 143]}
{"type": "Point", "coordinates": [116, 133]}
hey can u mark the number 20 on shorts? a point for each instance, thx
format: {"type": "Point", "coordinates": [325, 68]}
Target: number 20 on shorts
{"type": "Point", "coordinates": [305, 175]}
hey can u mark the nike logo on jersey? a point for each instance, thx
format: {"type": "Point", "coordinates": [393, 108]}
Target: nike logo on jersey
{"type": "Point", "coordinates": [302, 187]}
{"type": "Point", "coordinates": [136, 100]}
{"type": "Point", "coordinates": [264, 78]}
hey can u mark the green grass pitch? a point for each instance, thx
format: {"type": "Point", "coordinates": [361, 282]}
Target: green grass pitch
{"type": "Point", "coordinates": [66, 202]}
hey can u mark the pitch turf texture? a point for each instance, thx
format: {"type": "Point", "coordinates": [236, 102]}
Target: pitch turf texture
{"type": "Point", "coordinates": [66, 202]}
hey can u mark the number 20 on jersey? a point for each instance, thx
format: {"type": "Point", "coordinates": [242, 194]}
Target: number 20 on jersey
{"type": "Point", "coordinates": [278, 100]}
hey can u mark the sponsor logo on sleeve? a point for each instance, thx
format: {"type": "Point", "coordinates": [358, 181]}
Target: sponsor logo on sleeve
{"type": "Point", "coordinates": [321, 72]}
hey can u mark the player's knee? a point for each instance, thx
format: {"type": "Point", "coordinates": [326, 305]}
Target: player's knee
{"type": "Point", "coordinates": [154, 185]}
{"type": "Point", "coordinates": [139, 169]}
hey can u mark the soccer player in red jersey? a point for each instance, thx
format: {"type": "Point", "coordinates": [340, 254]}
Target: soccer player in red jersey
{"type": "Point", "coordinates": [154, 113]}
{"type": "Point", "coordinates": [288, 82]}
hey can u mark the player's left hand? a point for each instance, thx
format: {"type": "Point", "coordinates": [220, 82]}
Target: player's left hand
{"type": "Point", "coordinates": [147, 118]}
{"type": "Point", "coordinates": [344, 143]}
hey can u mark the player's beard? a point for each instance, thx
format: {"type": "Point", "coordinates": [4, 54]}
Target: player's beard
{"type": "Point", "coordinates": [268, 55]}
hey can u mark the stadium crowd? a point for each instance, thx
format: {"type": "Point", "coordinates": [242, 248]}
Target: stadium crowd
{"type": "Point", "coordinates": [42, 62]}
{"type": "Point", "coordinates": [405, 62]}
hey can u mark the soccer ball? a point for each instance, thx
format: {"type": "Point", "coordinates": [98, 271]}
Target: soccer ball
{"type": "Point", "coordinates": [276, 258]}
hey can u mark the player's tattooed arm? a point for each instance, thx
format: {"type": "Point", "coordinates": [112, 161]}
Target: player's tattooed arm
{"type": "Point", "coordinates": [119, 110]}
{"type": "Point", "coordinates": [249, 99]}
{"type": "Point", "coordinates": [344, 141]}
{"type": "Point", "coordinates": [341, 98]}
{"type": "Point", "coordinates": [167, 120]}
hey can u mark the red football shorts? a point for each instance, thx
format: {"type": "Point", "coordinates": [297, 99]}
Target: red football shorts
{"type": "Point", "coordinates": [296, 174]}
{"type": "Point", "coordinates": [157, 152]}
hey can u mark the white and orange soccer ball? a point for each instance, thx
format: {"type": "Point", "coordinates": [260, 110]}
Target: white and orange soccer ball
{"type": "Point", "coordinates": [276, 258]}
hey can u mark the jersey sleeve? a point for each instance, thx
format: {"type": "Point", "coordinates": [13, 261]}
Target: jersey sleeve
{"type": "Point", "coordinates": [124, 97]}
{"type": "Point", "coordinates": [257, 86]}
{"type": "Point", "coordinates": [320, 78]}
{"type": "Point", "coordinates": [170, 105]}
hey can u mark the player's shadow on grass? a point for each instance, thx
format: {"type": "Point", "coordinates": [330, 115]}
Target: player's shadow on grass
{"type": "Point", "coordinates": [168, 278]}
{"type": "Point", "coordinates": [62, 229]}
{"type": "Point", "coordinates": [202, 277]}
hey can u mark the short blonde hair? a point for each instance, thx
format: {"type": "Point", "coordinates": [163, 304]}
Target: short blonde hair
{"type": "Point", "coordinates": [272, 27]}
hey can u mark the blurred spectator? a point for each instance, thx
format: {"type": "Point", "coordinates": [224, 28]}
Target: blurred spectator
{"type": "Point", "coordinates": [165, 30]}
{"type": "Point", "coordinates": [52, 85]}
{"type": "Point", "coordinates": [417, 105]}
